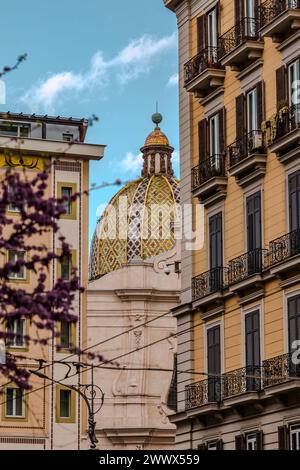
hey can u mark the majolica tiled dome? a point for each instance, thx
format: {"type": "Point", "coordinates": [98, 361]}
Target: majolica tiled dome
{"type": "Point", "coordinates": [132, 237]}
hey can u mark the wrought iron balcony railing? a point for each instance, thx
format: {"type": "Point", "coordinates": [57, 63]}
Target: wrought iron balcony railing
{"type": "Point", "coordinates": [210, 168]}
{"type": "Point", "coordinates": [251, 143]}
{"type": "Point", "coordinates": [208, 283]}
{"type": "Point", "coordinates": [280, 369]}
{"type": "Point", "coordinates": [283, 248]}
{"type": "Point", "coordinates": [286, 120]}
{"type": "Point", "coordinates": [275, 371]}
{"type": "Point", "coordinates": [270, 9]}
{"type": "Point", "coordinates": [246, 379]}
{"type": "Point", "coordinates": [245, 30]}
{"type": "Point", "coordinates": [203, 393]}
{"type": "Point", "coordinates": [246, 265]}
{"type": "Point", "coordinates": [207, 58]}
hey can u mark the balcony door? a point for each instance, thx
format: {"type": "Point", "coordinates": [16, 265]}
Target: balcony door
{"type": "Point", "coordinates": [254, 237]}
{"type": "Point", "coordinates": [293, 332]}
{"type": "Point", "coordinates": [214, 363]}
{"type": "Point", "coordinates": [216, 252]}
{"type": "Point", "coordinates": [252, 348]}
{"type": "Point", "coordinates": [252, 111]}
{"type": "Point", "coordinates": [294, 213]}
{"type": "Point", "coordinates": [214, 142]}
{"type": "Point", "coordinates": [250, 17]}
{"type": "Point", "coordinates": [294, 89]}
{"type": "Point", "coordinates": [212, 35]}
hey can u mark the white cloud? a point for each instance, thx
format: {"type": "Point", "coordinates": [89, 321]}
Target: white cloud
{"type": "Point", "coordinates": [132, 163]}
{"type": "Point", "coordinates": [131, 62]}
{"type": "Point", "coordinates": [173, 80]}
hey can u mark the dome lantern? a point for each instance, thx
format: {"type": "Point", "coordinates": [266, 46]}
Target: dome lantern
{"type": "Point", "coordinates": [157, 152]}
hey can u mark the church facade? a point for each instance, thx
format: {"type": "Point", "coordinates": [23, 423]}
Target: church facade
{"type": "Point", "coordinates": [134, 283]}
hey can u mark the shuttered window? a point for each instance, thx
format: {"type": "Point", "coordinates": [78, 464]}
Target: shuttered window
{"type": "Point", "coordinates": [253, 208]}
{"type": "Point", "coordinates": [294, 201]}
{"type": "Point", "coordinates": [216, 241]}
{"type": "Point", "coordinates": [214, 363]}
{"type": "Point", "coordinates": [293, 320]}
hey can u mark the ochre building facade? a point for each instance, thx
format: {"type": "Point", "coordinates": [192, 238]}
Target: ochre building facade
{"type": "Point", "coordinates": [239, 316]}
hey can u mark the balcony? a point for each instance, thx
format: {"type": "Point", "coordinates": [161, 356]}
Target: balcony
{"type": "Point", "coordinates": [281, 375]}
{"type": "Point", "coordinates": [283, 254]}
{"type": "Point", "coordinates": [248, 158]}
{"type": "Point", "coordinates": [204, 73]}
{"type": "Point", "coordinates": [284, 133]}
{"type": "Point", "coordinates": [241, 45]}
{"type": "Point", "coordinates": [208, 286]}
{"type": "Point", "coordinates": [248, 387]}
{"type": "Point", "coordinates": [209, 180]}
{"type": "Point", "coordinates": [246, 271]}
{"type": "Point", "coordinates": [203, 393]}
{"type": "Point", "coordinates": [279, 19]}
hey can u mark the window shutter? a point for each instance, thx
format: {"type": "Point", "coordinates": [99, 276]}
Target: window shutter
{"type": "Point", "coordinates": [222, 130]}
{"type": "Point", "coordinates": [238, 10]}
{"type": "Point", "coordinates": [294, 200]}
{"type": "Point", "coordinates": [239, 442]}
{"type": "Point", "coordinates": [219, 18]}
{"type": "Point", "coordinates": [240, 117]}
{"type": "Point", "coordinates": [283, 438]}
{"type": "Point", "coordinates": [202, 447]}
{"type": "Point", "coordinates": [260, 103]}
{"type": "Point", "coordinates": [281, 86]}
{"type": "Point", "coordinates": [220, 444]}
{"type": "Point", "coordinates": [259, 440]}
{"type": "Point", "coordinates": [201, 29]}
{"type": "Point", "coordinates": [202, 136]}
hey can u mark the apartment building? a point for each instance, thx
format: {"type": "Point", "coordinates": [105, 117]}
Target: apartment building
{"type": "Point", "coordinates": [240, 303]}
{"type": "Point", "coordinates": [51, 415]}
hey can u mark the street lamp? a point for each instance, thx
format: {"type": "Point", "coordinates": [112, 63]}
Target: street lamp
{"type": "Point", "coordinates": [88, 392]}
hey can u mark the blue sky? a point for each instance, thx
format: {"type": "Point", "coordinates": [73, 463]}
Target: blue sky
{"type": "Point", "coordinates": [112, 59]}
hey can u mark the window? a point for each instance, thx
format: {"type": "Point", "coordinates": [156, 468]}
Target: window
{"type": "Point", "coordinates": [295, 436]}
{"type": "Point", "coordinates": [251, 442]}
{"type": "Point", "coordinates": [252, 348]}
{"type": "Point", "coordinates": [66, 194]}
{"type": "Point", "coordinates": [212, 445]}
{"type": "Point", "coordinates": [11, 207]}
{"type": "Point", "coordinates": [294, 209]}
{"type": "Point", "coordinates": [293, 326]}
{"type": "Point", "coordinates": [13, 257]}
{"type": "Point", "coordinates": [17, 328]}
{"type": "Point", "coordinates": [253, 217]}
{"type": "Point", "coordinates": [14, 406]}
{"type": "Point", "coordinates": [215, 241]}
{"type": "Point", "coordinates": [66, 267]}
{"type": "Point", "coordinates": [14, 129]}
{"type": "Point", "coordinates": [214, 363]}
{"type": "Point", "coordinates": [250, 15]}
{"type": "Point", "coordinates": [294, 85]}
{"type": "Point", "coordinates": [212, 35]}
{"type": "Point", "coordinates": [214, 135]}
{"type": "Point", "coordinates": [252, 110]}
{"type": "Point", "coordinates": [67, 333]}
{"type": "Point", "coordinates": [64, 191]}
{"type": "Point", "coordinates": [65, 404]}
{"type": "Point", "coordinates": [68, 137]}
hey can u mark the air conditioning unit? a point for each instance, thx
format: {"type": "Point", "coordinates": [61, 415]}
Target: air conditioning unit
{"type": "Point", "coordinates": [256, 142]}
